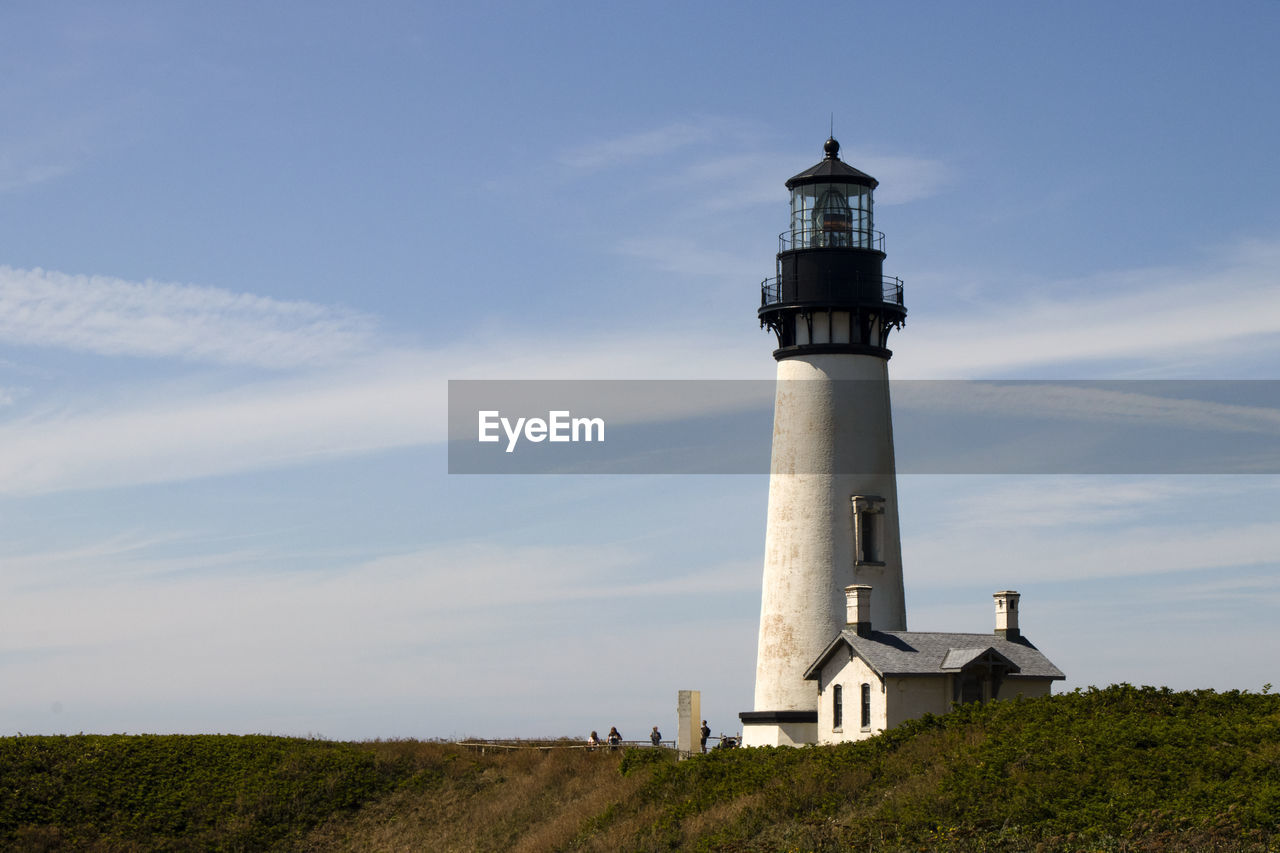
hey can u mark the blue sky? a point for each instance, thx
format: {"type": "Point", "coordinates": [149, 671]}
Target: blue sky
{"type": "Point", "coordinates": [243, 248]}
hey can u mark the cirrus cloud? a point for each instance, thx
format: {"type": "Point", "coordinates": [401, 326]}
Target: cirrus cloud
{"type": "Point", "coordinates": [111, 316]}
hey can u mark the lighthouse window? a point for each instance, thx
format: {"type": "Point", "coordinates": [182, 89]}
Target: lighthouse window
{"type": "Point", "coordinates": [868, 530]}
{"type": "Point", "coordinates": [837, 707]}
{"type": "Point", "coordinates": [832, 219]}
{"type": "Point", "coordinates": [866, 706]}
{"type": "Point", "coordinates": [831, 215]}
{"type": "Point", "coordinates": [870, 539]}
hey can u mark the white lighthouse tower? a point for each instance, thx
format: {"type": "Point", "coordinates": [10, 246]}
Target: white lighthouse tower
{"type": "Point", "coordinates": [833, 506]}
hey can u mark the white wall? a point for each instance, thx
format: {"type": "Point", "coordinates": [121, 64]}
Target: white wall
{"type": "Point", "coordinates": [850, 675]}
{"type": "Point", "coordinates": [917, 695]}
{"type": "Point", "coordinates": [831, 414]}
{"type": "Point", "coordinates": [1027, 688]}
{"type": "Point", "coordinates": [894, 700]}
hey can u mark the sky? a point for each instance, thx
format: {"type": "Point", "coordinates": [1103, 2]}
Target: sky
{"type": "Point", "coordinates": [244, 247]}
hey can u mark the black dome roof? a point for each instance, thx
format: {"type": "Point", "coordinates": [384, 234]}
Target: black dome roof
{"type": "Point", "coordinates": [832, 170]}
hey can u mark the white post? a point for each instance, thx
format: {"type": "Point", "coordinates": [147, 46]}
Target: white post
{"type": "Point", "coordinates": [689, 729]}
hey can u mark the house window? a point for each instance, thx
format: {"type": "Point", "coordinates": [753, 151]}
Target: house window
{"type": "Point", "coordinates": [866, 706]}
{"type": "Point", "coordinates": [868, 530]}
{"type": "Point", "coordinates": [837, 707]}
{"type": "Point", "coordinates": [970, 688]}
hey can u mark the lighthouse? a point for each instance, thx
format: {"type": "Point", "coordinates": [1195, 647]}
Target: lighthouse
{"type": "Point", "coordinates": [833, 501]}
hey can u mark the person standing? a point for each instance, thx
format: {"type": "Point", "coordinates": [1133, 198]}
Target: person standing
{"type": "Point", "coordinates": [655, 737]}
{"type": "Point", "coordinates": [706, 733]}
{"type": "Point", "coordinates": [614, 737]}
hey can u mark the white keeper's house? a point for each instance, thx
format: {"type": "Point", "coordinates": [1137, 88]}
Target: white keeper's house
{"type": "Point", "coordinates": [870, 680]}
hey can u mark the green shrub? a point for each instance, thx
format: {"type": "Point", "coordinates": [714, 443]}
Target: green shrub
{"type": "Point", "coordinates": [1120, 768]}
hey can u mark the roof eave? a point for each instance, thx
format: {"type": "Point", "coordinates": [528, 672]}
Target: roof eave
{"type": "Point", "coordinates": [831, 171]}
{"type": "Point", "coordinates": [815, 669]}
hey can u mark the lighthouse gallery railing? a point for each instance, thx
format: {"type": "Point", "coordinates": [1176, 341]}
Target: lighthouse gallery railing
{"type": "Point", "coordinates": [775, 291]}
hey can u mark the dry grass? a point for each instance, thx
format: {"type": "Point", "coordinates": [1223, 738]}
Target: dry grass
{"type": "Point", "coordinates": [526, 801]}
{"type": "Point", "coordinates": [721, 815]}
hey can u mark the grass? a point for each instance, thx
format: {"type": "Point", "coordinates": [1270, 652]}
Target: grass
{"type": "Point", "coordinates": [1122, 768]}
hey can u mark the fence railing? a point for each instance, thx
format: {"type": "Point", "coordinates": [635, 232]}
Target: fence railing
{"type": "Point", "coordinates": [813, 237]}
{"type": "Point", "coordinates": [775, 291]}
{"type": "Point", "coordinates": [548, 746]}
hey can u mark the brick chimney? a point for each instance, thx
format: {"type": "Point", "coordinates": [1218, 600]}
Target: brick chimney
{"type": "Point", "coordinates": [1007, 614]}
{"type": "Point", "coordinates": [857, 599]}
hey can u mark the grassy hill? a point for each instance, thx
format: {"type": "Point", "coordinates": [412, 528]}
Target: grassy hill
{"type": "Point", "coordinates": [1121, 768]}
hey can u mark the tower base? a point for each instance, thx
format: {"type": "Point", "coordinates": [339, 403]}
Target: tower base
{"type": "Point", "coordinates": [779, 728]}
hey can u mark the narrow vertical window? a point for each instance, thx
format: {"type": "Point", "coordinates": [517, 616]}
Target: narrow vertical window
{"type": "Point", "coordinates": [866, 706]}
{"type": "Point", "coordinates": [870, 540]}
{"type": "Point", "coordinates": [868, 529]}
{"type": "Point", "coordinates": [837, 707]}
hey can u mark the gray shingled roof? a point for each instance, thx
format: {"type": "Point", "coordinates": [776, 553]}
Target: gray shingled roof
{"type": "Point", "coordinates": [927, 653]}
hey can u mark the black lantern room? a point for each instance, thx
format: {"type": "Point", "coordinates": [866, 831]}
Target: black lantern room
{"type": "Point", "coordinates": [830, 294]}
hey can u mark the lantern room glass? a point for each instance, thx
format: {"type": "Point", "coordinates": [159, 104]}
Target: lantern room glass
{"type": "Point", "coordinates": [831, 215]}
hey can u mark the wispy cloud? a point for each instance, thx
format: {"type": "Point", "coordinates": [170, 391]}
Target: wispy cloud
{"type": "Point", "coordinates": [16, 174]}
{"type": "Point", "coordinates": [902, 179]}
{"type": "Point", "coordinates": [258, 426]}
{"type": "Point", "coordinates": [414, 624]}
{"type": "Point", "coordinates": [1082, 427]}
{"type": "Point", "coordinates": [623, 150]}
{"type": "Point", "coordinates": [112, 316]}
{"type": "Point", "coordinates": [1080, 553]}
{"type": "Point", "coordinates": [717, 180]}
{"type": "Point", "coordinates": [1137, 316]}
{"type": "Point", "coordinates": [378, 402]}
{"type": "Point", "coordinates": [122, 558]}
{"type": "Point", "coordinates": [403, 587]}
{"type": "Point", "coordinates": [382, 400]}
{"type": "Point", "coordinates": [43, 152]}
{"type": "Point", "coordinates": [1020, 502]}
{"type": "Point", "coordinates": [1120, 402]}
{"type": "Point", "coordinates": [730, 179]}
{"type": "Point", "coordinates": [687, 257]}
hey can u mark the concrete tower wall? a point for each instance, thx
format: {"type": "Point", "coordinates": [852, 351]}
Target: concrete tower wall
{"type": "Point", "coordinates": [832, 420]}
